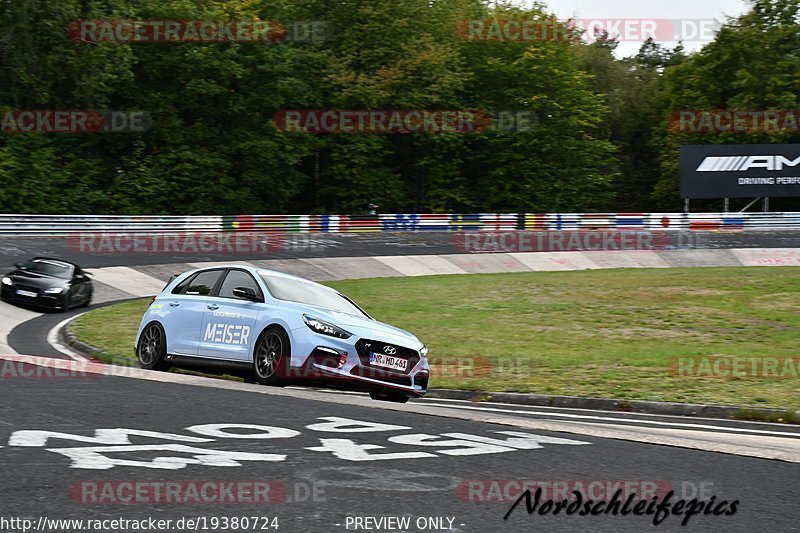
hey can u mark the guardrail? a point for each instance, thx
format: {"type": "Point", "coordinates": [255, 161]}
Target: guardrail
{"type": "Point", "coordinates": [666, 221]}
{"type": "Point", "coordinates": [43, 225]}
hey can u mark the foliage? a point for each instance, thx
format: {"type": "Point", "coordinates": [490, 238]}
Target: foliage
{"type": "Point", "coordinates": [601, 141]}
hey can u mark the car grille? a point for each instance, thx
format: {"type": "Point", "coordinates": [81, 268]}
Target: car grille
{"type": "Point", "coordinates": [365, 346]}
{"type": "Point", "coordinates": [25, 288]}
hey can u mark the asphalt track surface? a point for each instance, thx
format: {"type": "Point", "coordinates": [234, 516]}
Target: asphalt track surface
{"type": "Point", "coordinates": [38, 479]}
{"type": "Point", "coordinates": [30, 337]}
{"type": "Point", "coordinates": [301, 246]}
{"type": "Point", "coordinates": [317, 490]}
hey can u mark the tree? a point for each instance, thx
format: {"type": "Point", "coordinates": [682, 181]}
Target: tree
{"type": "Point", "coordinates": [752, 64]}
{"type": "Point", "coordinates": [564, 163]}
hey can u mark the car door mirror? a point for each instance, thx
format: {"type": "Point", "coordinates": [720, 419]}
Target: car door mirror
{"type": "Point", "coordinates": [246, 293]}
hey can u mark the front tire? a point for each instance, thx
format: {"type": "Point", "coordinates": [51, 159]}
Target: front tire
{"type": "Point", "coordinates": [389, 397]}
{"type": "Point", "coordinates": [152, 349]}
{"type": "Point", "coordinates": [88, 301]}
{"type": "Point", "coordinates": [270, 356]}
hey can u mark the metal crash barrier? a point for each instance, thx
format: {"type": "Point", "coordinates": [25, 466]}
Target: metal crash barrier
{"type": "Point", "coordinates": [46, 225]}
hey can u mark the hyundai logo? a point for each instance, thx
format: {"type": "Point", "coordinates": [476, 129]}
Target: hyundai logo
{"type": "Point", "coordinates": [390, 350]}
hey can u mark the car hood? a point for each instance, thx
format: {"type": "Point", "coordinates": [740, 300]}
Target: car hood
{"type": "Point", "coordinates": [24, 277]}
{"type": "Point", "coordinates": [363, 327]}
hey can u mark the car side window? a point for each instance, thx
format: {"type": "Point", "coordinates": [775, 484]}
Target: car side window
{"type": "Point", "coordinates": [237, 278]}
{"type": "Point", "coordinates": [181, 287]}
{"type": "Point", "coordinates": [203, 283]}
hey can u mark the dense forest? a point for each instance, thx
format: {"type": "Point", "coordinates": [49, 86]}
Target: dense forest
{"type": "Point", "coordinates": [603, 138]}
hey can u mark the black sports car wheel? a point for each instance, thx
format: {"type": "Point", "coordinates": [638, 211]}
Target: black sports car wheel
{"type": "Point", "coordinates": [65, 303]}
{"type": "Point", "coordinates": [88, 300]}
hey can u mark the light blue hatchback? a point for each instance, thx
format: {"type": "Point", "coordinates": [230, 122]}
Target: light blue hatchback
{"type": "Point", "coordinates": [275, 329]}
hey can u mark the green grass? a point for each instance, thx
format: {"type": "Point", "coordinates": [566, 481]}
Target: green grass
{"type": "Point", "coordinates": [112, 329]}
{"type": "Point", "coordinates": [607, 333]}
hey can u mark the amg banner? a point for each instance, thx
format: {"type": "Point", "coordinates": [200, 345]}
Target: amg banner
{"type": "Point", "coordinates": [740, 171]}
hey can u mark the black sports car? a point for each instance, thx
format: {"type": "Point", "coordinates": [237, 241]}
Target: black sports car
{"type": "Point", "coordinates": [45, 282]}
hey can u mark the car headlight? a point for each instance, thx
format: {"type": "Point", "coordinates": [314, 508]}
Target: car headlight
{"type": "Point", "coordinates": [7, 280]}
{"type": "Point", "coordinates": [54, 290]}
{"type": "Point", "coordinates": [424, 351]}
{"type": "Point", "coordinates": [325, 328]}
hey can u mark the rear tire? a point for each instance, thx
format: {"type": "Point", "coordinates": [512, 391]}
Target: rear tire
{"type": "Point", "coordinates": [270, 357]}
{"type": "Point", "coordinates": [151, 351]}
{"type": "Point", "coordinates": [88, 301]}
{"type": "Point", "coordinates": [389, 397]}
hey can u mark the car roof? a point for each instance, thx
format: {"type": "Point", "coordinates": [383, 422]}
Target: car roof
{"type": "Point", "coordinates": [53, 260]}
{"type": "Point", "coordinates": [262, 271]}
{"type": "Point", "coordinates": [256, 271]}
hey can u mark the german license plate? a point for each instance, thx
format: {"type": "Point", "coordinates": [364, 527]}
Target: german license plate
{"type": "Point", "coordinates": [29, 294]}
{"type": "Point", "coordinates": [388, 361]}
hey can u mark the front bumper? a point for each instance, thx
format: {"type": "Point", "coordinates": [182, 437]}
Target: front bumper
{"type": "Point", "coordinates": [346, 363]}
{"type": "Point", "coordinates": [50, 301]}
{"type": "Point", "coordinates": [368, 383]}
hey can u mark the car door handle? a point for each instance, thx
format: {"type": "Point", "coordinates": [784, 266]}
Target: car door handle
{"type": "Point", "coordinates": [213, 307]}
{"type": "Point", "coordinates": [174, 304]}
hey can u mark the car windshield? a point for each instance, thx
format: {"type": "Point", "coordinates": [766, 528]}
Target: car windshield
{"type": "Point", "coordinates": [305, 292]}
{"type": "Point", "coordinates": [55, 269]}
